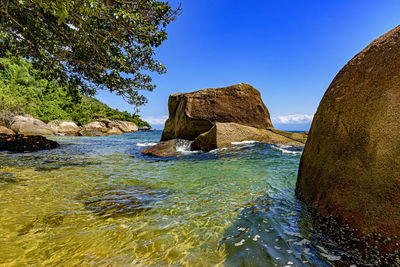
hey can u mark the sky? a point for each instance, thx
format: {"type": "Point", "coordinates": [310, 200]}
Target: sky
{"type": "Point", "coordinates": [289, 50]}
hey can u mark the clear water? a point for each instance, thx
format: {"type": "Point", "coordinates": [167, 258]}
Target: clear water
{"type": "Point", "coordinates": [96, 201]}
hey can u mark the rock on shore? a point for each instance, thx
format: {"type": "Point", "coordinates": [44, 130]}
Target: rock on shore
{"type": "Point", "coordinates": [191, 114]}
{"type": "Point", "coordinates": [29, 126]}
{"type": "Point", "coordinates": [18, 124]}
{"type": "Point", "coordinates": [21, 143]}
{"type": "Point", "coordinates": [5, 130]}
{"type": "Point", "coordinates": [64, 127]}
{"type": "Point", "coordinates": [123, 126]}
{"type": "Point", "coordinates": [95, 128]}
{"type": "Point", "coordinates": [350, 168]}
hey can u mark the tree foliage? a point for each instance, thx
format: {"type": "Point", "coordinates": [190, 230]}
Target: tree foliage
{"type": "Point", "coordinates": [89, 44]}
{"type": "Point", "coordinates": [22, 91]}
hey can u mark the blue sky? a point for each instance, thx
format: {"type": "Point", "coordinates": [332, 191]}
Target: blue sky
{"type": "Point", "coordinates": [289, 50]}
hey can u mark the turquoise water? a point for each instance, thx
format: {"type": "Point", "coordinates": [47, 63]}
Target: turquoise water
{"type": "Point", "coordinates": [97, 201]}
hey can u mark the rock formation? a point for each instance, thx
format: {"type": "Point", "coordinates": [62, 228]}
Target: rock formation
{"type": "Point", "coordinates": [21, 143]}
{"type": "Point", "coordinates": [124, 126]}
{"type": "Point", "coordinates": [95, 128]}
{"type": "Point", "coordinates": [64, 127]}
{"type": "Point", "coordinates": [350, 168]}
{"type": "Point", "coordinates": [114, 131]}
{"type": "Point", "coordinates": [191, 114]}
{"type": "Point", "coordinates": [223, 134]}
{"type": "Point", "coordinates": [29, 126]}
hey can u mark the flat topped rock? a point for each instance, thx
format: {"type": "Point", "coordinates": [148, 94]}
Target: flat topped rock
{"type": "Point", "coordinates": [223, 134]}
{"type": "Point", "coordinates": [191, 114]}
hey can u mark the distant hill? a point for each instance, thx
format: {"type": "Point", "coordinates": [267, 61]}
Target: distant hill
{"type": "Point", "coordinates": [22, 92]}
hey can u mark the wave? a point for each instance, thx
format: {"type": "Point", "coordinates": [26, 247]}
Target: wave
{"type": "Point", "coordinates": [244, 142]}
{"type": "Point", "coordinates": [183, 147]}
{"type": "Point", "coordinates": [146, 144]}
{"type": "Point", "coordinates": [288, 149]}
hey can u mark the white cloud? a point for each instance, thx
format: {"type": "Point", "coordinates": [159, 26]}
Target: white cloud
{"type": "Point", "coordinates": [292, 119]}
{"type": "Point", "coordinates": [156, 120]}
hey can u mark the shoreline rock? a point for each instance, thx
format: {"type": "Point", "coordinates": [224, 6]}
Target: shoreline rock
{"type": "Point", "coordinates": [29, 126]}
{"type": "Point", "coordinates": [5, 130]}
{"type": "Point", "coordinates": [94, 128]}
{"type": "Point", "coordinates": [64, 127]}
{"type": "Point", "coordinates": [350, 168]}
{"type": "Point", "coordinates": [18, 124]}
{"type": "Point", "coordinates": [124, 126]}
{"type": "Point", "coordinates": [21, 143]}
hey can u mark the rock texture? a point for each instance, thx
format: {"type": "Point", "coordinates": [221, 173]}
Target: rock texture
{"type": "Point", "coordinates": [223, 134]}
{"type": "Point", "coordinates": [114, 131]}
{"type": "Point", "coordinates": [95, 128]}
{"type": "Point", "coordinates": [191, 114]}
{"type": "Point", "coordinates": [299, 137]}
{"type": "Point", "coordinates": [29, 126]}
{"type": "Point", "coordinates": [350, 168]}
{"type": "Point", "coordinates": [5, 130]}
{"type": "Point", "coordinates": [21, 143]}
{"type": "Point", "coordinates": [64, 127]}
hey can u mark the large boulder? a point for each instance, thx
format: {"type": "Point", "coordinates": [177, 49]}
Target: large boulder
{"type": "Point", "coordinates": [223, 134]}
{"type": "Point", "coordinates": [29, 126]}
{"type": "Point", "coordinates": [21, 143]}
{"type": "Point", "coordinates": [124, 126]}
{"type": "Point", "coordinates": [191, 114]}
{"type": "Point", "coordinates": [350, 167]}
{"type": "Point", "coordinates": [95, 128]}
{"type": "Point", "coordinates": [64, 127]}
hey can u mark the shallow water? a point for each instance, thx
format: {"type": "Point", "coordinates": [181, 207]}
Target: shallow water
{"type": "Point", "coordinates": [96, 201]}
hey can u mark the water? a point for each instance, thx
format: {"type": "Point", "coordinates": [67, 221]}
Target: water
{"type": "Point", "coordinates": [97, 201]}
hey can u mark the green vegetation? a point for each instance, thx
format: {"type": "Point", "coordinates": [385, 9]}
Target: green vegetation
{"type": "Point", "coordinates": [90, 45]}
{"type": "Point", "coordinates": [23, 91]}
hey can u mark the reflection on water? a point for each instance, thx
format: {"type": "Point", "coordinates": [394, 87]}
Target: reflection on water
{"type": "Point", "coordinates": [98, 201]}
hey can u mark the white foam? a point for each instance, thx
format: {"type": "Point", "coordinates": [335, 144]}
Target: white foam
{"type": "Point", "coordinates": [218, 149]}
{"type": "Point", "coordinates": [239, 243]}
{"type": "Point", "coordinates": [244, 142]}
{"type": "Point", "coordinates": [146, 144]}
{"type": "Point", "coordinates": [284, 149]}
{"type": "Point", "coordinates": [183, 146]}
{"type": "Point", "coordinates": [331, 257]}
